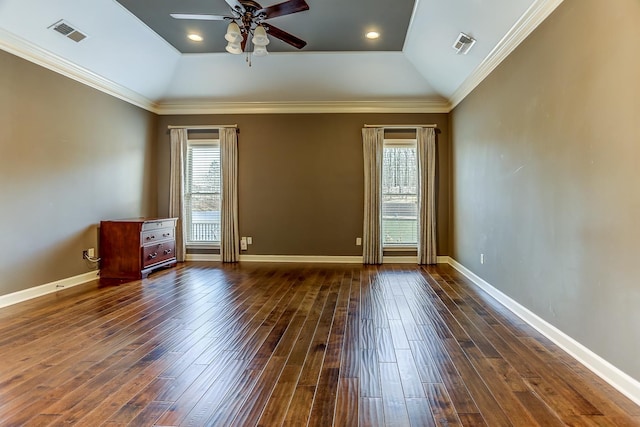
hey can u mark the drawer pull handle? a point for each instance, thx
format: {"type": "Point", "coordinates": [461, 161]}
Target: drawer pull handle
{"type": "Point", "coordinates": [151, 237]}
{"type": "Point", "coordinates": [167, 251]}
{"type": "Point", "coordinates": [166, 235]}
{"type": "Point", "coordinates": [153, 255]}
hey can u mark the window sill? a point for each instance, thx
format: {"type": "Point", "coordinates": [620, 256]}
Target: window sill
{"type": "Point", "coordinates": [203, 245]}
{"type": "Point", "coordinates": [399, 248]}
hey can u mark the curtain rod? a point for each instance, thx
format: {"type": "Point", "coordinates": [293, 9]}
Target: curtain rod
{"type": "Point", "coordinates": [401, 126]}
{"type": "Point", "coordinates": [197, 127]}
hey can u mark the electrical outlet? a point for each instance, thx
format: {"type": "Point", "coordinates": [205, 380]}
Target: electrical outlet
{"type": "Point", "coordinates": [358, 241]}
{"type": "Point", "coordinates": [88, 253]}
{"type": "Point", "coordinates": [481, 258]}
{"type": "Point", "coordinates": [243, 244]}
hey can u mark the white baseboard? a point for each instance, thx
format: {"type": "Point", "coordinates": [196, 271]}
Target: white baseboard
{"type": "Point", "coordinates": [278, 258]}
{"type": "Point", "coordinates": [623, 382]}
{"type": "Point", "coordinates": [302, 258]}
{"type": "Point", "coordinates": [202, 257]}
{"type": "Point", "coordinates": [38, 291]}
{"type": "Point", "coordinates": [390, 259]}
{"type": "Point", "coordinates": [310, 259]}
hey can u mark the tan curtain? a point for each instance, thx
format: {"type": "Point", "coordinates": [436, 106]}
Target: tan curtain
{"type": "Point", "coordinates": [229, 236]}
{"type": "Point", "coordinates": [426, 141]}
{"type": "Point", "coordinates": [176, 187]}
{"type": "Point", "coordinates": [372, 144]}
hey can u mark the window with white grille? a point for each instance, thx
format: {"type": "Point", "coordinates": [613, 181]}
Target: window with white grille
{"type": "Point", "coordinates": [202, 193]}
{"type": "Point", "coordinates": [400, 194]}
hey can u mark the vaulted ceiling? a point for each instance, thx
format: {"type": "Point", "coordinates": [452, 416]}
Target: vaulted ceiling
{"type": "Point", "coordinates": [134, 50]}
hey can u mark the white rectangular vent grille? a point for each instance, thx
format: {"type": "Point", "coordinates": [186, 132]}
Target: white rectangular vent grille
{"type": "Point", "coordinates": [64, 29]}
{"type": "Point", "coordinates": [463, 44]}
{"type": "Point", "coordinates": [68, 30]}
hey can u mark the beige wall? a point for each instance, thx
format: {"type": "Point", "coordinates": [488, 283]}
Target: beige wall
{"type": "Point", "coordinates": [301, 178]}
{"type": "Point", "coordinates": [70, 156]}
{"type": "Point", "coordinates": [546, 168]}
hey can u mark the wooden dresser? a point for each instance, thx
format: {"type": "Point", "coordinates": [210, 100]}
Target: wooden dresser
{"type": "Point", "coordinates": [132, 248]}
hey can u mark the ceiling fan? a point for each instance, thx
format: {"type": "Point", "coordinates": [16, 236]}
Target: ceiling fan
{"type": "Point", "coordinates": [248, 19]}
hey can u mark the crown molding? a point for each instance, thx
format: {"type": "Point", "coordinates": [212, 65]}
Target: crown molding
{"type": "Point", "coordinates": [26, 50]}
{"type": "Point", "coordinates": [32, 53]}
{"type": "Point", "coordinates": [529, 21]}
{"type": "Point", "coordinates": [212, 107]}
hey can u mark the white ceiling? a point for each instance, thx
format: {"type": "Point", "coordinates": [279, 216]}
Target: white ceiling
{"type": "Point", "coordinates": [125, 58]}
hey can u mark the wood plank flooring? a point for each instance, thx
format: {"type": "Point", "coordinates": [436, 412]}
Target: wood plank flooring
{"type": "Point", "coordinates": [207, 344]}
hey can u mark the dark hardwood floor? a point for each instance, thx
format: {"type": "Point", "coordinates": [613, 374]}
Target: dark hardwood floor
{"type": "Point", "coordinates": [296, 345]}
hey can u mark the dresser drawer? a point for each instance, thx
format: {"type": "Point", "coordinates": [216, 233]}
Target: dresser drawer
{"type": "Point", "coordinates": [155, 225]}
{"type": "Point", "coordinates": [149, 237]}
{"type": "Point", "coordinates": [159, 252]}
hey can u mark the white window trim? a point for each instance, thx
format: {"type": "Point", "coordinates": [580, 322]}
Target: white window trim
{"type": "Point", "coordinates": [201, 245]}
{"type": "Point", "coordinates": [408, 143]}
{"type": "Point", "coordinates": [399, 143]}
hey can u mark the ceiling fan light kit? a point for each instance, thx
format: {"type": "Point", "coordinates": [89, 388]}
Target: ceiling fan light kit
{"type": "Point", "coordinates": [247, 25]}
{"type": "Point", "coordinates": [234, 37]}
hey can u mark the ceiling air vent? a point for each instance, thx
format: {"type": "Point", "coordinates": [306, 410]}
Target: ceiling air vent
{"type": "Point", "coordinates": [463, 44]}
{"type": "Point", "coordinates": [68, 30]}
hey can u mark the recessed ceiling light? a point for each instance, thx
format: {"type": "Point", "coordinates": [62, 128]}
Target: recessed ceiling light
{"type": "Point", "coordinates": [195, 37]}
{"type": "Point", "coordinates": [372, 35]}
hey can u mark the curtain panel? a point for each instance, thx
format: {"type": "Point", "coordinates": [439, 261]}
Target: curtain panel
{"type": "Point", "coordinates": [176, 187]}
{"type": "Point", "coordinates": [372, 144]}
{"type": "Point", "coordinates": [426, 150]}
{"type": "Point", "coordinates": [230, 235]}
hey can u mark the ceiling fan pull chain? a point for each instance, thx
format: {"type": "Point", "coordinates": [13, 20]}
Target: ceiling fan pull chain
{"type": "Point", "coordinates": [248, 47]}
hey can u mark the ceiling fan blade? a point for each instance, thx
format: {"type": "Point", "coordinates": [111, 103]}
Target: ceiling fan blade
{"type": "Point", "coordinates": [236, 5]}
{"type": "Point", "coordinates": [284, 36]}
{"type": "Point", "coordinates": [198, 17]}
{"type": "Point", "coordinates": [285, 8]}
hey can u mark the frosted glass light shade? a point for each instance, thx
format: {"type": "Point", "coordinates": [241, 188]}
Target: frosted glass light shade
{"type": "Point", "coordinates": [260, 36]}
{"type": "Point", "coordinates": [260, 51]}
{"type": "Point", "coordinates": [233, 33]}
{"type": "Point", "coordinates": [234, 48]}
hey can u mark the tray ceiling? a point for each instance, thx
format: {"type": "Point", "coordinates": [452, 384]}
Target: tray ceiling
{"type": "Point", "coordinates": [134, 51]}
{"type": "Point", "coordinates": [328, 25]}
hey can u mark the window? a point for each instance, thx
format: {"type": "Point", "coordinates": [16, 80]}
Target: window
{"type": "Point", "coordinates": [202, 193]}
{"type": "Point", "coordinates": [400, 194]}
